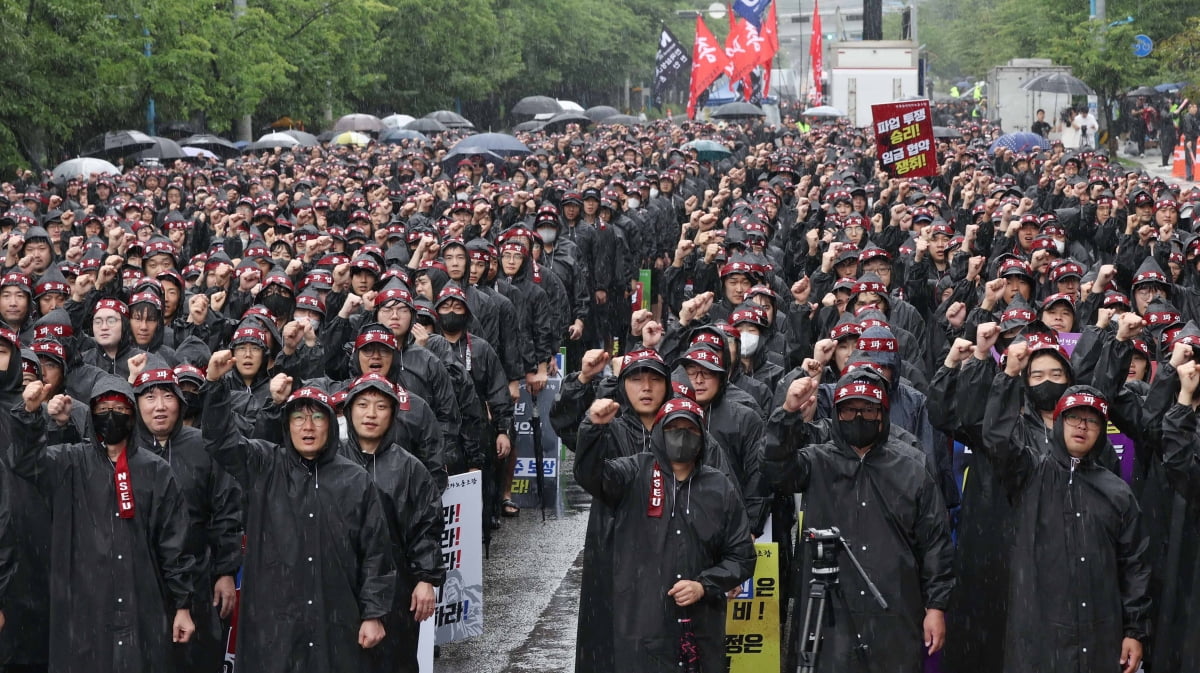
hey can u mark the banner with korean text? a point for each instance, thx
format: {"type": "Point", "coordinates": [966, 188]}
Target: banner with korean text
{"type": "Point", "coordinates": [904, 138]}
{"type": "Point", "coordinates": [752, 636]}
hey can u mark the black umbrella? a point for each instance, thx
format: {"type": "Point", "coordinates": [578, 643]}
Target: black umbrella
{"type": "Point", "coordinates": [454, 156]}
{"type": "Point", "coordinates": [451, 120]}
{"type": "Point", "coordinates": [1058, 82]}
{"type": "Point", "coordinates": [1144, 91]}
{"type": "Point", "coordinates": [163, 149]}
{"type": "Point", "coordinates": [621, 120]}
{"type": "Point", "coordinates": [532, 125]}
{"type": "Point", "coordinates": [117, 144]}
{"type": "Point", "coordinates": [946, 132]}
{"type": "Point", "coordinates": [215, 144]}
{"type": "Point", "coordinates": [497, 143]}
{"type": "Point", "coordinates": [536, 105]}
{"type": "Point", "coordinates": [559, 121]}
{"type": "Point", "coordinates": [359, 122]}
{"type": "Point", "coordinates": [396, 136]}
{"type": "Point", "coordinates": [306, 139]}
{"type": "Point", "coordinates": [738, 110]}
{"type": "Point", "coordinates": [689, 647]}
{"type": "Point", "coordinates": [601, 112]}
{"type": "Point", "coordinates": [176, 130]}
{"type": "Point", "coordinates": [426, 125]}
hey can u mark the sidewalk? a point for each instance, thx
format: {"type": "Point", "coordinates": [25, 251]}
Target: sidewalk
{"type": "Point", "coordinates": [1151, 162]}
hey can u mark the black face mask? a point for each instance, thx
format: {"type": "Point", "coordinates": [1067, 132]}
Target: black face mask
{"type": "Point", "coordinates": [191, 404]}
{"type": "Point", "coordinates": [454, 322]}
{"type": "Point", "coordinates": [112, 428]}
{"type": "Point", "coordinates": [280, 306]}
{"type": "Point", "coordinates": [1046, 394]}
{"type": "Point", "coordinates": [859, 432]}
{"type": "Point", "coordinates": [683, 446]}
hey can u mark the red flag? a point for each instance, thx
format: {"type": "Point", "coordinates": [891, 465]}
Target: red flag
{"type": "Point", "coordinates": [816, 49]}
{"type": "Point", "coordinates": [747, 53]}
{"type": "Point", "coordinates": [708, 62]}
{"type": "Point", "coordinates": [770, 36]}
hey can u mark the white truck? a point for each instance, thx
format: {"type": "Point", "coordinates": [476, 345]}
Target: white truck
{"type": "Point", "coordinates": [865, 73]}
{"type": "Point", "coordinates": [1014, 108]}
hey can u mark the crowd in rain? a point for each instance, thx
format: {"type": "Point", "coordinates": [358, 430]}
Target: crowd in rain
{"type": "Point", "coordinates": [267, 365]}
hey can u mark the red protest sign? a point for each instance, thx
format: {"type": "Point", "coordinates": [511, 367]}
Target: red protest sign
{"type": "Point", "coordinates": [904, 139]}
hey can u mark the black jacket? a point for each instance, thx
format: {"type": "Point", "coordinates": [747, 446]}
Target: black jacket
{"type": "Point", "coordinates": [1079, 548]}
{"type": "Point", "coordinates": [318, 553]}
{"type": "Point", "coordinates": [890, 509]}
{"type": "Point", "coordinates": [703, 535]}
{"type": "Point", "coordinates": [1175, 647]}
{"type": "Point", "coordinates": [114, 588]}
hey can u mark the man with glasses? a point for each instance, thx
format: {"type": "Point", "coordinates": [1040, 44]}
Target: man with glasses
{"type": "Point", "coordinates": [318, 576]}
{"type": "Point", "coordinates": [857, 476]}
{"type": "Point", "coordinates": [1079, 578]}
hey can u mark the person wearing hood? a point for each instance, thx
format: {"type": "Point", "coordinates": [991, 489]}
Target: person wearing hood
{"type": "Point", "coordinates": [51, 291]}
{"type": "Point", "coordinates": [482, 276]}
{"type": "Point", "coordinates": [16, 302]}
{"type": "Point", "coordinates": [680, 537]}
{"type": "Point", "coordinates": [1174, 648]}
{"type": "Point", "coordinates": [413, 507]}
{"type": "Point", "coordinates": [754, 329]}
{"type": "Point", "coordinates": [1079, 581]}
{"type": "Point", "coordinates": [318, 576]}
{"type": "Point", "coordinates": [533, 318]}
{"type": "Point", "coordinates": [121, 589]}
{"type": "Point", "coordinates": [112, 337]}
{"type": "Point", "coordinates": [212, 502]}
{"type": "Point", "coordinates": [879, 493]}
{"type": "Point", "coordinates": [565, 259]}
{"type": "Point", "coordinates": [24, 535]}
{"type": "Point", "coordinates": [147, 328]}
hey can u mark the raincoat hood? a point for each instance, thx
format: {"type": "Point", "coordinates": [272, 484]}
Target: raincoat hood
{"type": "Point", "coordinates": [319, 398]}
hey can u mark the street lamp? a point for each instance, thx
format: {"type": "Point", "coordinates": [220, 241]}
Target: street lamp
{"type": "Point", "coordinates": [716, 11]}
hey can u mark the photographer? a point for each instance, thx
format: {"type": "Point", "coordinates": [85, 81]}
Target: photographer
{"type": "Point", "coordinates": [879, 493]}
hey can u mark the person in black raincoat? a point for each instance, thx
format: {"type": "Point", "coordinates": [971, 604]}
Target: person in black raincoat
{"type": "Point", "coordinates": [1175, 647]}
{"type": "Point", "coordinates": [113, 338]}
{"type": "Point", "coordinates": [318, 576]}
{"type": "Point", "coordinates": [212, 502]}
{"type": "Point", "coordinates": [119, 593]}
{"type": "Point", "coordinates": [24, 539]}
{"type": "Point", "coordinates": [413, 506]}
{"type": "Point", "coordinates": [681, 538]}
{"type": "Point", "coordinates": [1079, 583]}
{"type": "Point", "coordinates": [881, 496]}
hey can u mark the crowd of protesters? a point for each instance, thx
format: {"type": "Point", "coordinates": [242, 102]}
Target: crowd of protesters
{"type": "Point", "coordinates": [272, 363]}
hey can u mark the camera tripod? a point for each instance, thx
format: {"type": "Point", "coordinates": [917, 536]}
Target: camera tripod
{"type": "Point", "coordinates": [825, 545]}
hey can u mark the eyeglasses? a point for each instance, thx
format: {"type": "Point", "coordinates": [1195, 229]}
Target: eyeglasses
{"type": "Point", "coordinates": [298, 418]}
{"type": "Point", "coordinates": [109, 321]}
{"type": "Point", "coordinates": [1080, 420]}
{"type": "Point", "coordinates": [871, 413]}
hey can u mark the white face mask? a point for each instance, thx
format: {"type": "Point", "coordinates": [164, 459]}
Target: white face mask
{"type": "Point", "coordinates": [549, 236]}
{"type": "Point", "coordinates": [654, 192]}
{"type": "Point", "coordinates": [632, 203]}
{"type": "Point", "coordinates": [1061, 245]}
{"type": "Point", "coordinates": [461, 196]}
{"type": "Point", "coordinates": [750, 344]}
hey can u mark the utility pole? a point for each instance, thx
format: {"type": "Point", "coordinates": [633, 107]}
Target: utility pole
{"type": "Point", "coordinates": [146, 51]}
{"type": "Point", "coordinates": [872, 20]}
{"type": "Point", "coordinates": [245, 124]}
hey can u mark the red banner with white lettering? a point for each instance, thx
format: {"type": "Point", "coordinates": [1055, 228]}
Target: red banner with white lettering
{"type": "Point", "coordinates": [748, 47]}
{"type": "Point", "coordinates": [770, 35]}
{"type": "Point", "coordinates": [904, 138]}
{"type": "Point", "coordinates": [816, 51]}
{"type": "Point", "coordinates": [708, 62]}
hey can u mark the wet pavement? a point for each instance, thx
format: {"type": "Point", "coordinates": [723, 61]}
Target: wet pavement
{"type": "Point", "coordinates": [531, 593]}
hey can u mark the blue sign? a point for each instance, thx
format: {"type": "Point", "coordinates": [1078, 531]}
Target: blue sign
{"type": "Point", "coordinates": [1142, 46]}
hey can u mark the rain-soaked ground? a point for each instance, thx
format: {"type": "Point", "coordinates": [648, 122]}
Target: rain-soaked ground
{"type": "Point", "coordinates": [531, 593]}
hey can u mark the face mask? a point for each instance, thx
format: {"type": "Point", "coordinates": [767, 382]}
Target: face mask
{"type": "Point", "coordinates": [1046, 394]}
{"type": "Point", "coordinates": [749, 344]}
{"type": "Point", "coordinates": [682, 445]}
{"type": "Point", "coordinates": [632, 203]}
{"type": "Point", "coordinates": [461, 196]}
{"type": "Point", "coordinates": [549, 236]}
{"type": "Point", "coordinates": [191, 404]}
{"type": "Point", "coordinates": [454, 322]}
{"type": "Point", "coordinates": [1061, 246]}
{"type": "Point", "coordinates": [859, 432]}
{"type": "Point", "coordinates": [279, 305]}
{"type": "Point", "coordinates": [111, 427]}
{"type": "Point", "coordinates": [654, 192]}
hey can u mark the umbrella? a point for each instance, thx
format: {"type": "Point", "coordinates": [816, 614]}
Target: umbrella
{"type": "Point", "coordinates": [273, 140]}
{"type": "Point", "coordinates": [560, 120]}
{"type": "Point", "coordinates": [501, 144]}
{"type": "Point", "coordinates": [396, 121]}
{"type": "Point", "coordinates": [1058, 82]}
{"type": "Point", "coordinates": [426, 126]}
{"type": "Point", "coordinates": [176, 130]}
{"type": "Point", "coordinates": [946, 132]}
{"type": "Point", "coordinates": [708, 150]}
{"type": "Point", "coordinates": [532, 105]}
{"type": "Point", "coordinates": [217, 145]}
{"type": "Point", "coordinates": [359, 122]}
{"type": "Point", "coordinates": [326, 136]}
{"type": "Point", "coordinates": [600, 112]}
{"type": "Point", "coordinates": [450, 161]}
{"type": "Point", "coordinates": [199, 153]}
{"type": "Point", "coordinates": [451, 120]}
{"type": "Point", "coordinates": [570, 106]}
{"type": "Point", "coordinates": [823, 111]}
{"type": "Point", "coordinates": [689, 647]}
{"type": "Point", "coordinates": [622, 120]}
{"type": "Point", "coordinates": [738, 110]}
{"type": "Point", "coordinates": [532, 125]}
{"type": "Point", "coordinates": [1021, 141]}
{"type": "Point", "coordinates": [163, 148]}
{"type": "Point", "coordinates": [304, 138]}
{"type": "Point", "coordinates": [84, 167]}
{"type": "Point", "coordinates": [1143, 91]}
{"type": "Point", "coordinates": [351, 138]}
{"type": "Point", "coordinates": [1170, 87]}
{"type": "Point", "coordinates": [394, 136]}
{"type": "Point", "coordinates": [117, 144]}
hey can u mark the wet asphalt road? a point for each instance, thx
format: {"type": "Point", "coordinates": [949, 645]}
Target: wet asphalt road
{"type": "Point", "coordinates": [531, 593]}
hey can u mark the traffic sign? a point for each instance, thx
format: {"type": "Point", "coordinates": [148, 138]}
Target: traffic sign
{"type": "Point", "coordinates": [1142, 46]}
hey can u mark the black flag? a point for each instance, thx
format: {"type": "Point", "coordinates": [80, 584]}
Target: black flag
{"type": "Point", "coordinates": [671, 60]}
